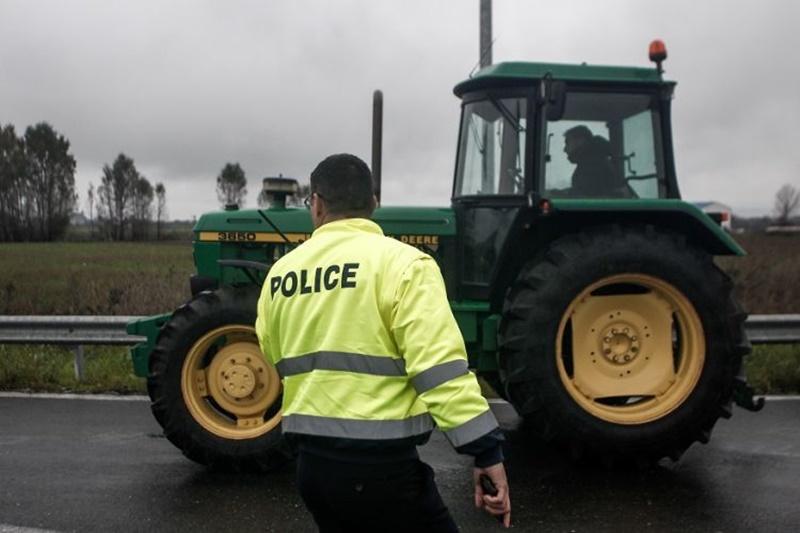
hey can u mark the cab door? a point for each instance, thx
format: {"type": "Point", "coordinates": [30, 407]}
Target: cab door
{"type": "Point", "coordinates": [492, 181]}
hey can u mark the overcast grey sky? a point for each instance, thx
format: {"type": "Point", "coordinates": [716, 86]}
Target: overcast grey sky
{"type": "Point", "coordinates": [183, 87]}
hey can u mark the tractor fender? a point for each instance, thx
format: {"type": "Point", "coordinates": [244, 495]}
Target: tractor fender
{"type": "Point", "coordinates": [534, 228]}
{"type": "Point", "coordinates": [147, 327]}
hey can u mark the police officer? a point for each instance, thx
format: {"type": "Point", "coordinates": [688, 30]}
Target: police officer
{"type": "Point", "coordinates": [360, 330]}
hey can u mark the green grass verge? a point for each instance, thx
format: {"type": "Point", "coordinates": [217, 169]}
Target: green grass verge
{"type": "Point", "coordinates": [770, 370]}
{"type": "Point", "coordinates": [51, 369]}
{"type": "Point", "coordinates": [774, 369]}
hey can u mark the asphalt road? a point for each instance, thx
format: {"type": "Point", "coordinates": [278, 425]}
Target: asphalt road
{"type": "Point", "coordinates": [101, 465]}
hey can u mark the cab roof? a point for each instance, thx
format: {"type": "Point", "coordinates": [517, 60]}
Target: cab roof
{"type": "Point", "coordinates": [523, 73]}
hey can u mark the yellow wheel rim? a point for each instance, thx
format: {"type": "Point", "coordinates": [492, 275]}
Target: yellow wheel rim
{"type": "Point", "coordinates": [228, 386]}
{"type": "Point", "coordinates": [630, 349]}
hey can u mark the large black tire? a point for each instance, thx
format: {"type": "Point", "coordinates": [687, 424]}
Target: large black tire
{"type": "Point", "coordinates": [621, 345]}
{"type": "Point", "coordinates": [212, 391]}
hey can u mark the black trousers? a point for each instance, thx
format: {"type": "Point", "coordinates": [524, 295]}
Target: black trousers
{"type": "Point", "coordinates": [352, 497]}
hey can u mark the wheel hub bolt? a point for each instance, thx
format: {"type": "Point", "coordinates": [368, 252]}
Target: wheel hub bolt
{"type": "Point", "coordinates": [239, 381]}
{"type": "Point", "coordinates": [620, 344]}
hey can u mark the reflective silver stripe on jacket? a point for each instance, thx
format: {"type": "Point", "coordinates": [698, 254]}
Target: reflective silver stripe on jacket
{"type": "Point", "coordinates": [342, 361]}
{"type": "Point", "coordinates": [472, 430]}
{"type": "Point", "coordinates": [357, 429]}
{"type": "Point", "coordinates": [433, 377]}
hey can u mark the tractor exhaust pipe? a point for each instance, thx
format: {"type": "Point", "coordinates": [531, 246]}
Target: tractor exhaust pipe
{"type": "Point", "coordinates": [377, 141]}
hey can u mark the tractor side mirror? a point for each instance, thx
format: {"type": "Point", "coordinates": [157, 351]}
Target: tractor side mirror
{"type": "Point", "coordinates": [555, 99]}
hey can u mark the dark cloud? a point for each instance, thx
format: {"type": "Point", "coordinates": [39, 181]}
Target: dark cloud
{"type": "Point", "coordinates": [183, 87]}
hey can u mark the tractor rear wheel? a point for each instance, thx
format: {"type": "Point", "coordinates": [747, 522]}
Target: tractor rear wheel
{"type": "Point", "coordinates": [213, 392]}
{"type": "Point", "coordinates": [622, 344]}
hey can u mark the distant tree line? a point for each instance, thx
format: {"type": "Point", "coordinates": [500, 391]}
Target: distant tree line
{"type": "Point", "coordinates": [37, 191]}
{"type": "Point", "coordinates": [38, 197]}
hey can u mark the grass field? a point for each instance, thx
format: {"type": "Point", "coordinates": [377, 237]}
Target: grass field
{"type": "Point", "coordinates": [768, 278]}
{"type": "Point", "coordinates": [94, 278]}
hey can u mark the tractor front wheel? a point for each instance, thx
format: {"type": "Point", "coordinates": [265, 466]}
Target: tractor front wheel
{"type": "Point", "coordinates": [212, 390]}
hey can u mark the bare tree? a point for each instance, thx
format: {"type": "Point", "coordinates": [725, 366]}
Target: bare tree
{"type": "Point", "coordinates": [37, 184]}
{"type": "Point", "coordinates": [90, 199]}
{"type": "Point", "coordinates": [51, 174]}
{"type": "Point", "coordinates": [142, 208]}
{"type": "Point", "coordinates": [13, 184]}
{"type": "Point", "coordinates": [115, 195]}
{"type": "Point", "coordinates": [299, 198]}
{"type": "Point", "coordinates": [787, 200]}
{"type": "Point", "coordinates": [231, 185]}
{"type": "Point", "coordinates": [161, 208]}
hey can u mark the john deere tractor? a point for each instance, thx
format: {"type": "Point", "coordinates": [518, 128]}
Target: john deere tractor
{"type": "Point", "coordinates": [601, 317]}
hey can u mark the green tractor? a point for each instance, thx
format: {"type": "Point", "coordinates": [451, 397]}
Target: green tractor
{"type": "Point", "coordinates": [598, 313]}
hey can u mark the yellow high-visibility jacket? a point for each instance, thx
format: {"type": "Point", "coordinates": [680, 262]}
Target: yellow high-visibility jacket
{"type": "Point", "coordinates": [361, 332]}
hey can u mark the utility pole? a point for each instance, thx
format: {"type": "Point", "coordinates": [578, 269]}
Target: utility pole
{"type": "Point", "coordinates": [487, 171]}
{"type": "Point", "coordinates": [486, 33]}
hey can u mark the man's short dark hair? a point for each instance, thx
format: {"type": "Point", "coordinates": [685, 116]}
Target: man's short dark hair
{"type": "Point", "coordinates": [344, 182]}
{"type": "Point", "coordinates": [579, 132]}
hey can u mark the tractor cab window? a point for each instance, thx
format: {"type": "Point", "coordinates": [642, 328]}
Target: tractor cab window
{"type": "Point", "coordinates": [491, 157]}
{"type": "Point", "coordinates": [605, 146]}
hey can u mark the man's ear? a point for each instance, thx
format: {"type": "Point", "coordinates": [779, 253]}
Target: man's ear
{"type": "Point", "coordinates": [374, 202]}
{"type": "Point", "coordinates": [316, 211]}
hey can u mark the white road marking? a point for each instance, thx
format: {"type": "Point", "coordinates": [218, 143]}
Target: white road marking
{"type": "Point", "coordinates": [144, 398]}
{"type": "Point", "coordinates": [70, 396]}
{"type": "Point", "coordinates": [6, 528]}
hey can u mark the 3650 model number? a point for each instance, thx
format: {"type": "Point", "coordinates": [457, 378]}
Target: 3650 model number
{"type": "Point", "coordinates": [236, 236]}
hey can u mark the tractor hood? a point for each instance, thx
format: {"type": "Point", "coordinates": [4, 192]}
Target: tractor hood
{"type": "Point", "coordinates": [294, 225]}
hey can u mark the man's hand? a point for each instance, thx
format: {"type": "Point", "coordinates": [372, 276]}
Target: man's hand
{"type": "Point", "coordinates": [500, 504]}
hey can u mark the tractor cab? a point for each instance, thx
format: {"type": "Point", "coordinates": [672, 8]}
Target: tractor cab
{"type": "Point", "coordinates": [535, 135]}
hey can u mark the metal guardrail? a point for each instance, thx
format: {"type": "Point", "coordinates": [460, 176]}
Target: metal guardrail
{"type": "Point", "coordinates": [70, 330]}
{"type": "Point", "coordinates": [73, 331]}
{"type": "Point", "coordinates": [773, 329]}
{"type": "Point", "coordinates": [77, 331]}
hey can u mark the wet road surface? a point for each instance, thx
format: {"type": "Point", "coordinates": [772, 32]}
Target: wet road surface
{"type": "Point", "coordinates": [101, 465]}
